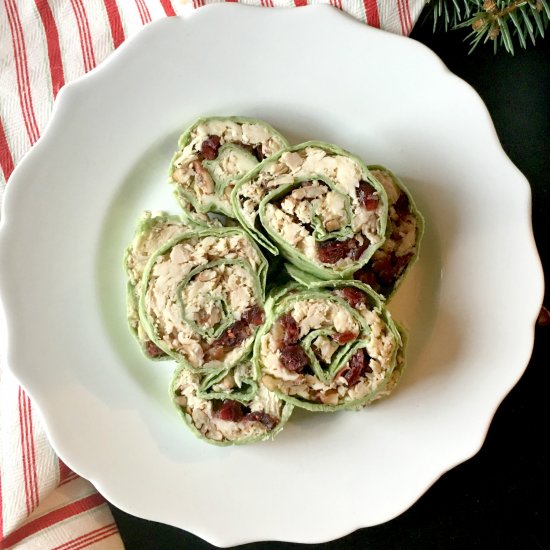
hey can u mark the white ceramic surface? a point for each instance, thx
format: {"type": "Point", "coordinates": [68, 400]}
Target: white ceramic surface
{"type": "Point", "coordinates": [71, 206]}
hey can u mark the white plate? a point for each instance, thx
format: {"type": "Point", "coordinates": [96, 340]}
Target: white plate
{"type": "Point", "coordinates": [71, 207]}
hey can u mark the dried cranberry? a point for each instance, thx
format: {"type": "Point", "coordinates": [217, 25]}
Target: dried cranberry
{"type": "Point", "coordinates": [329, 252]}
{"type": "Point", "coordinates": [367, 195]}
{"type": "Point", "coordinates": [395, 234]}
{"type": "Point", "coordinates": [229, 410]}
{"type": "Point", "coordinates": [153, 350]}
{"type": "Point", "coordinates": [401, 205]}
{"type": "Point", "coordinates": [290, 327]}
{"type": "Point", "coordinates": [390, 267]}
{"type": "Point", "coordinates": [401, 262]}
{"type": "Point", "coordinates": [266, 419]}
{"type": "Point", "coordinates": [210, 146]}
{"type": "Point", "coordinates": [385, 270]}
{"type": "Point", "coordinates": [254, 315]}
{"type": "Point", "coordinates": [365, 275]}
{"type": "Point", "coordinates": [237, 333]}
{"type": "Point", "coordinates": [353, 296]}
{"type": "Point", "coordinates": [345, 337]}
{"type": "Point", "coordinates": [357, 367]}
{"type": "Point", "coordinates": [356, 249]}
{"type": "Point", "coordinates": [294, 358]}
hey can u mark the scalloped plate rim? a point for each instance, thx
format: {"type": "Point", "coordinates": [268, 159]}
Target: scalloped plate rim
{"type": "Point", "coordinates": [64, 449]}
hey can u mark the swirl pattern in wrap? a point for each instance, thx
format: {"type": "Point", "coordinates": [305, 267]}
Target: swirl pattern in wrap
{"type": "Point", "coordinates": [329, 346]}
{"type": "Point", "coordinates": [214, 153]}
{"type": "Point", "coordinates": [202, 297]}
{"type": "Point", "coordinates": [230, 407]}
{"type": "Point", "coordinates": [318, 205]}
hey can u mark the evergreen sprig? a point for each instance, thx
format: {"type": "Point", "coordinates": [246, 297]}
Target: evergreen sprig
{"type": "Point", "coordinates": [501, 21]}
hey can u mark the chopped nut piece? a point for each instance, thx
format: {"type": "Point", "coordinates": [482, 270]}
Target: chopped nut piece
{"type": "Point", "coordinates": [332, 225]}
{"type": "Point", "coordinates": [204, 178]}
{"type": "Point", "coordinates": [266, 419]}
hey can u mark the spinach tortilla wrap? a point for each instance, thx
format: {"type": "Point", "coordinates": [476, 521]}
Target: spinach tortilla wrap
{"type": "Point", "coordinates": [391, 262]}
{"type": "Point", "coordinates": [202, 297]}
{"type": "Point", "coordinates": [199, 220]}
{"type": "Point", "coordinates": [318, 205]}
{"type": "Point", "coordinates": [214, 152]}
{"type": "Point", "coordinates": [153, 230]}
{"type": "Point", "coordinates": [229, 407]}
{"type": "Point", "coordinates": [327, 347]}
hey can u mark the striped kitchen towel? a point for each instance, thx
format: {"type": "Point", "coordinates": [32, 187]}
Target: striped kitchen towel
{"type": "Point", "coordinates": [43, 45]}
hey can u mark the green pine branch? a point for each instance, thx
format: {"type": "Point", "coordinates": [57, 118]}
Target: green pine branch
{"type": "Point", "coordinates": [502, 22]}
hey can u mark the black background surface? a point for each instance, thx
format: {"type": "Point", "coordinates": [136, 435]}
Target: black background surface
{"type": "Point", "coordinates": [499, 498]}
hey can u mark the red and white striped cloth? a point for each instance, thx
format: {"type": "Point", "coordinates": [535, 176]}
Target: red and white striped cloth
{"type": "Point", "coordinates": [43, 45]}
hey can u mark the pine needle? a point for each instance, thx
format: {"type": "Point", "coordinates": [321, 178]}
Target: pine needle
{"type": "Point", "coordinates": [527, 23]}
{"type": "Point", "coordinates": [506, 38]}
{"type": "Point", "coordinates": [520, 32]}
{"type": "Point", "coordinates": [492, 20]}
{"type": "Point", "coordinates": [538, 20]}
{"type": "Point", "coordinates": [546, 8]}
